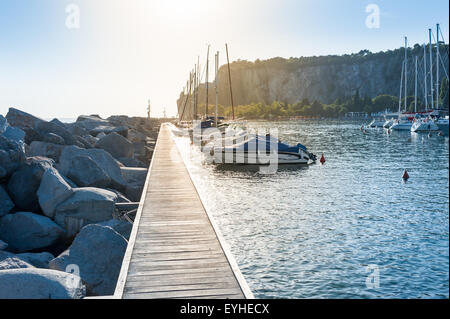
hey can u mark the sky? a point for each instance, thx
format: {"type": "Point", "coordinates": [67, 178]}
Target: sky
{"type": "Point", "coordinates": [118, 54]}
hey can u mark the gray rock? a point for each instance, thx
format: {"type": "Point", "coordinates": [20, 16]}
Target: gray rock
{"type": "Point", "coordinates": [89, 138]}
{"type": "Point", "coordinates": [98, 251]}
{"type": "Point", "coordinates": [53, 138]}
{"type": "Point", "coordinates": [134, 175]}
{"type": "Point", "coordinates": [121, 226]}
{"type": "Point", "coordinates": [56, 121]}
{"type": "Point", "coordinates": [136, 137]}
{"type": "Point", "coordinates": [22, 119]}
{"type": "Point", "coordinates": [100, 135]}
{"type": "Point", "coordinates": [121, 198]}
{"type": "Point", "coordinates": [99, 156]}
{"type": "Point", "coordinates": [3, 124]}
{"type": "Point", "coordinates": [52, 191]}
{"type": "Point", "coordinates": [14, 134]}
{"type": "Point", "coordinates": [134, 192]}
{"type": "Point", "coordinates": [6, 204]}
{"type": "Point", "coordinates": [39, 260]}
{"type": "Point", "coordinates": [12, 155]}
{"type": "Point", "coordinates": [11, 261]}
{"type": "Point", "coordinates": [3, 245]}
{"type": "Point", "coordinates": [94, 124]}
{"type": "Point", "coordinates": [45, 149]}
{"type": "Point", "coordinates": [48, 127]}
{"type": "Point", "coordinates": [34, 283]}
{"type": "Point", "coordinates": [86, 173]}
{"type": "Point", "coordinates": [31, 135]}
{"type": "Point", "coordinates": [77, 129]}
{"type": "Point", "coordinates": [83, 142]}
{"type": "Point", "coordinates": [116, 145]}
{"type": "Point", "coordinates": [131, 162]}
{"type": "Point", "coordinates": [87, 205]}
{"type": "Point", "coordinates": [135, 178]}
{"type": "Point", "coordinates": [24, 183]}
{"type": "Point", "coordinates": [27, 231]}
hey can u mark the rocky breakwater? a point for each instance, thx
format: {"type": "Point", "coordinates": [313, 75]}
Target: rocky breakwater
{"type": "Point", "coordinates": [68, 194]}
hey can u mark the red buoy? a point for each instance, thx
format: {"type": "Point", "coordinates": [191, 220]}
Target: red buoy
{"type": "Point", "coordinates": [405, 175]}
{"type": "Point", "coordinates": [322, 159]}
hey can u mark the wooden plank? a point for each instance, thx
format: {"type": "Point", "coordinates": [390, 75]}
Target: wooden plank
{"type": "Point", "coordinates": [174, 249]}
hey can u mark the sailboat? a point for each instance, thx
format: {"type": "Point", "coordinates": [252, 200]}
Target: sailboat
{"type": "Point", "coordinates": [403, 123]}
{"type": "Point", "coordinates": [428, 123]}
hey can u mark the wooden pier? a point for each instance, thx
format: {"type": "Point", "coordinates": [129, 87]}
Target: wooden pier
{"type": "Point", "coordinates": [175, 249]}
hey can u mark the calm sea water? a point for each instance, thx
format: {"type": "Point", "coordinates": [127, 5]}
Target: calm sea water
{"type": "Point", "coordinates": [311, 232]}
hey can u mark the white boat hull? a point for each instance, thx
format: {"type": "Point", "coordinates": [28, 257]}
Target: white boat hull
{"type": "Point", "coordinates": [256, 159]}
{"type": "Point", "coordinates": [401, 126]}
{"type": "Point", "coordinates": [424, 126]}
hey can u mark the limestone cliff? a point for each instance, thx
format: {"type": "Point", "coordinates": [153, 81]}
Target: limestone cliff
{"type": "Point", "coordinates": [324, 78]}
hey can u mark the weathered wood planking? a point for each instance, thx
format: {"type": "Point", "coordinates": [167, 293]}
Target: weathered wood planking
{"type": "Point", "coordinates": [175, 249]}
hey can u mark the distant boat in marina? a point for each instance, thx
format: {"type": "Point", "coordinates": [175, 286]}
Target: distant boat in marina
{"type": "Point", "coordinates": [424, 125]}
{"type": "Point", "coordinates": [442, 123]}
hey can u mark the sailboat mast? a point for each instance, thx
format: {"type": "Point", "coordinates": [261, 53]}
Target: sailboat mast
{"type": "Point", "coordinates": [195, 92]}
{"type": "Point", "coordinates": [207, 84]}
{"type": "Point", "coordinates": [437, 66]}
{"type": "Point", "coordinates": [216, 83]}
{"type": "Point", "coordinates": [400, 94]}
{"type": "Point", "coordinates": [229, 78]}
{"type": "Point", "coordinates": [431, 69]}
{"type": "Point", "coordinates": [415, 89]}
{"type": "Point", "coordinates": [406, 70]}
{"type": "Point", "coordinates": [425, 76]}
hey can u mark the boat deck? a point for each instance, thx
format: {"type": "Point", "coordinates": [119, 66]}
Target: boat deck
{"type": "Point", "coordinates": [175, 249]}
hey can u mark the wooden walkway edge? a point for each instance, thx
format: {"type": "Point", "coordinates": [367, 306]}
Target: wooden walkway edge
{"type": "Point", "coordinates": [176, 249]}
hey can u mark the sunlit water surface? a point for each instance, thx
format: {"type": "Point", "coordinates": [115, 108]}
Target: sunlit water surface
{"type": "Point", "coordinates": [311, 232]}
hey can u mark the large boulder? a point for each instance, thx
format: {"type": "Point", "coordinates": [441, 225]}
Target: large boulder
{"type": "Point", "coordinates": [121, 226]}
{"type": "Point", "coordinates": [53, 138]}
{"type": "Point", "coordinates": [6, 204]}
{"type": "Point", "coordinates": [48, 127]}
{"type": "Point", "coordinates": [34, 283]}
{"type": "Point", "coordinates": [87, 205]}
{"type": "Point", "coordinates": [22, 119]}
{"type": "Point", "coordinates": [116, 145]}
{"type": "Point", "coordinates": [14, 134]}
{"type": "Point", "coordinates": [85, 172]}
{"type": "Point", "coordinates": [131, 162]}
{"type": "Point", "coordinates": [52, 191]}
{"type": "Point", "coordinates": [50, 150]}
{"type": "Point", "coordinates": [24, 183]}
{"type": "Point", "coordinates": [77, 129]}
{"type": "Point", "coordinates": [12, 155]}
{"type": "Point", "coordinates": [3, 124]}
{"type": "Point", "coordinates": [56, 121]}
{"type": "Point", "coordinates": [26, 231]}
{"type": "Point", "coordinates": [31, 135]}
{"type": "Point", "coordinates": [135, 178]}
{"type": "Point", "coordinates": [11, 261]}
{"type": "Point", "coordinates": [39, 260]}
{"type": "Point", "coordinates": [99, 156]}
{"type": "Point", "coordinates": [98, 251]}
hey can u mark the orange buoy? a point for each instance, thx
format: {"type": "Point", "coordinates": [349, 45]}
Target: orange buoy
{"type": "Point", "coordinates": [322, 159]}
{"type": "Point", "coordinates": [405, 175]}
